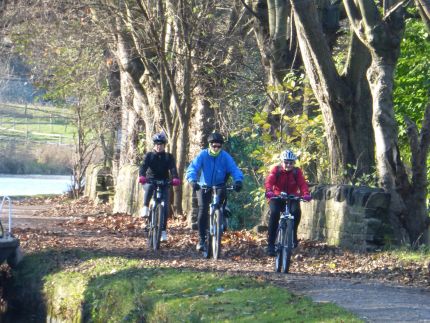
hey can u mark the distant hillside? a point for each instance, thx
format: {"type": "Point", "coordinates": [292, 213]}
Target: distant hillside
{"type": "Point", "coordinates": [15, 85]}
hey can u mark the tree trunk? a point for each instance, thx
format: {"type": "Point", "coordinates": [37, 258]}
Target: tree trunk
{"type": "Point", "coordinates": [389, 165]}
{"type": "Point", "coordinates": [408, 209]}
{"type": "Point", "coordinates": [340, 98]}
{"type": "Point", "coordinates": [382, 35]}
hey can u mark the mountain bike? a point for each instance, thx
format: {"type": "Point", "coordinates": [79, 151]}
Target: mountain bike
{"type": "Point", "coordinates": [156, 213]}
{"type": "Point", "coordinates": [285, 234]}
{"type": "Point", "coordinates": [215, 228]}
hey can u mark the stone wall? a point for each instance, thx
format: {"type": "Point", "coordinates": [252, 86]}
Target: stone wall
{"type": "Point", "coordinates": [347, 216]}
{"type": "Point", "coordinates": [128, 192]}
{"type": "Point", "coordinates": [99, 185]}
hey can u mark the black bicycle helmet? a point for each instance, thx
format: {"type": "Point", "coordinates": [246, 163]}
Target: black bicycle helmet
{"type": "Point", "coordinates": [216, 137]}
{"type": "Point", "coordinates": [159, 138]}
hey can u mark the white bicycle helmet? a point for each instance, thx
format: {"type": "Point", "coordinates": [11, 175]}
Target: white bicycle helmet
{"type": "Point", "coordinates": [288, 155]}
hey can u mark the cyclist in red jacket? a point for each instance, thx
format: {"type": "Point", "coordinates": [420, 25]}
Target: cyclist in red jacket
{"type": "Point", "coordinates": [289, 179]}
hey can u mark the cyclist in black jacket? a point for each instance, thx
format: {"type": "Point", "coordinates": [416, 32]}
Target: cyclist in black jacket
{"type": "Point", "coordinates": [157, 165]}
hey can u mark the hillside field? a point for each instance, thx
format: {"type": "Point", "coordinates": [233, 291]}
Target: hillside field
{"type": "Point", "coordinates": [36, 123]}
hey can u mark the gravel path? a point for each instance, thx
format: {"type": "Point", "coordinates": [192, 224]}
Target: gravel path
{"type": "Point", "coordinates": [372, 301]}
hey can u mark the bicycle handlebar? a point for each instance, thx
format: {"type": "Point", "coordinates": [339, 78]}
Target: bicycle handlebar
{"type": "Point", "coordinates": [159, 182]}
{"type": "Point", "coordinates": [215, 187]}
{"type": "Point", "coordinates": [285, 196]}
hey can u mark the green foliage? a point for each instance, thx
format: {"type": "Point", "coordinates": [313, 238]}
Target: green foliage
{"type": "Point", "coordinates": [412, 82]}
{"type": "Point", "coordinates": [256, 147]}
{"type": "Point", "coordinates": [412, 79]}
{"type": "Point", "coordinates": [370, 180]}
{"type": "Point", "coordinates": [303, 135]}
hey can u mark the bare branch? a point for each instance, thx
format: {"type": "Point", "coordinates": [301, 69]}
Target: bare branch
{"type": "Point", "coordinates": [369, 12]}
{"type": "Point", "coordinates": [395, 8]}
{"type": "Point", "coordinates": [249, 9]}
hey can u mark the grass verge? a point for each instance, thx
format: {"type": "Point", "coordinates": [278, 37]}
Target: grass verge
{"type": "Point", "coordinates": [85, 286]}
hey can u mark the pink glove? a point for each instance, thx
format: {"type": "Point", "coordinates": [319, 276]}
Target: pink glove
{"type": "Point", "coordinates": [142, 180]}
{"type": "Point", "coordinates": [307, 197]}
{"type": "Point", "coordinates": [176, 182]}
{"type": "Point", "coordinates": [270, 194]}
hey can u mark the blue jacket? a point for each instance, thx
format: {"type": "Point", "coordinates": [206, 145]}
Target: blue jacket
{"type": "Point", "coordinates": [213, 170]}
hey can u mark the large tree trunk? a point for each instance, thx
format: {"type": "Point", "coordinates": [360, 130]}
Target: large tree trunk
{"type": "Point", "coordinates": [345, 113]}
{"type": "Point", "coordinates": [388, 161]}
{"type": "Point", "coordinates": [408, 210]}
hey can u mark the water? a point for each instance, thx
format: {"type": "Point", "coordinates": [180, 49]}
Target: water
{"type": "Point", "coordinates": [33, 184]}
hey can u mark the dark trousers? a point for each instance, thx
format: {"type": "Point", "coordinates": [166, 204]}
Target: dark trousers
{"type": "Point", "coordinates": [276, 207]}
{"type": "Point", "coordinates": [204, 199]}
{"type": "Point", "coordinates": [148, 191]}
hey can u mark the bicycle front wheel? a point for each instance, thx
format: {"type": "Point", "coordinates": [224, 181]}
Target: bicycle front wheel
{"type": "Point", "coordinates": [288, 247]}
{"type": "Point", "coordinates": [151, 221]}
{"type": "Point", "coordinates": [216, 234]}
{"type": "Point", "coordinates": [159, 216]}
{"type": "Point", "coordinates": [207, 252]}
{"type": "Point", "coordinates": [280, 237]}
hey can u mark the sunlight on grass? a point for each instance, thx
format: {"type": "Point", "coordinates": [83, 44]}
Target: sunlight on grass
{"type": "Point", "coordinates": [91, 287]}
{"type": "Point", "coordinates": [421, 255]}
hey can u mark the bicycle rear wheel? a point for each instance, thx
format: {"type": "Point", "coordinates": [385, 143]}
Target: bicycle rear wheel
{"type": "Point", "coordinates": [216, 234]}
{"type": "Point", "coordinates": [159, 216]}
{"type": "Point", "coordinates": [288, 247]}
{"type": "Point", "coordinates": [278, 249]}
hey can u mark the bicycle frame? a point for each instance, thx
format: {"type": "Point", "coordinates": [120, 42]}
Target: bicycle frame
{"type": "Point", "coordinates": [285, 234]}
{"type": "Point", "coordinates": [156, 213]}
{"type": "Point", "coordinates": [216, 222]}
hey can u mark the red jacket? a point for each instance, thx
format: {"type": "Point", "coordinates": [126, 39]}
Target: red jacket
{"type": "Point", "coordinates": [282, 181]}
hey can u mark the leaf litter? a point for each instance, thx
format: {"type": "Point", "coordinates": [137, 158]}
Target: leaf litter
{"type": "Point", "coordinates": [95, 227]}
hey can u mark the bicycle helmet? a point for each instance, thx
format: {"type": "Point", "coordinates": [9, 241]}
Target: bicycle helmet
{"type": "Point", "coordinates": [159, 138]}
{"type": "Point", "coordinates": [216, 137]}
{"type": "Point", "coordinates": [288, 155]}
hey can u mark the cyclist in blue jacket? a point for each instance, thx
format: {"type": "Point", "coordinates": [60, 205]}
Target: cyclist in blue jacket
{"type": "Point", "coordinates": [211, 167]}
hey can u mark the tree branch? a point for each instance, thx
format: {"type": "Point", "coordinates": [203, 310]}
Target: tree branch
{"type": "Point", "coordinates": [394, 9]}
{"type": "Point", "coordinates": [369, 13]}
{"type": "Point", "coordinates": [250, 9]}
{"type": "Point", "coordinates": [424, 11]}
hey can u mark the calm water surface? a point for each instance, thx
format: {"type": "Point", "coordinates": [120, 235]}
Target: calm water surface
{"type": "Point", "coordinates": [33, 184]}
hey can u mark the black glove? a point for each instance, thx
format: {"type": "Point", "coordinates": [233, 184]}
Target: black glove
{"type": "Point", "coordinates": [237, 186]}
{"type": "Point", "coordinates": [195, 185]}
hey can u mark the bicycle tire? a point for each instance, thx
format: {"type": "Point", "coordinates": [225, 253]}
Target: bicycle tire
{"type": "Point", "coordinates": [288, 247]}
{"type": "Point", "coordinates": [150, 227]}
{"type": "Point", "coordinates": [207, 252]}
{"type": "Point", "coordinates": [159, 212]}
{"type": "Point", "coordinates": [278, 249]}
{"type": "Point", "coordinates": [216, 234]}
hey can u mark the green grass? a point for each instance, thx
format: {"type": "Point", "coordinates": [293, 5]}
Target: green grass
{"type": "Point", "coordinates": [93, 287]}
{"type": "Point", "coordinates": [36, 123]}
{"type": "Point", "coordinates": [421, 255]}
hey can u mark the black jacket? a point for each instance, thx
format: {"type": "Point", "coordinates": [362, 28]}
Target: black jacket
{"type": "Point", "coordinates": [157, 166]}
